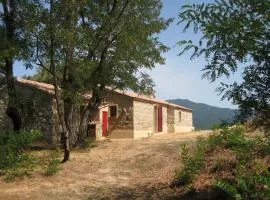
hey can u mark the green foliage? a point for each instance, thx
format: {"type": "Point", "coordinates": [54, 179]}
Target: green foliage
{"type": "Point", "coordinates": [230, 137]}
{"type": "Point", "coordinates": [263, 145]}
{"type": "Point", "coordinates": [249, 176]}
{"type": "Point", "coordinates": [249, 184]}
{"type": "Point", "coordinates": [53, 164]}
{"type": "Point", "coordinates": [103, 42]}
{"type": "Point", "coordinates": [230, 189]}
{"type": "Point", "coordinates": [15, 161]}
{"type": "Point", "coordinates": [192, 163]}
{"type": "Point", "coordinates": [84, 46]}
{"type": "Point", "coordinates": [23, 167]}
{"type": "Point", "coordinates": [13, 146]}
{"type": "Point", "coordinates": [234, 33]}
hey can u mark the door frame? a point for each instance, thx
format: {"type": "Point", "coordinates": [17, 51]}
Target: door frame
{"type": "Point", "coordinates": [159, 119]}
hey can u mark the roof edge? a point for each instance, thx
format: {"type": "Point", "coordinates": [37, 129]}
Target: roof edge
{"type": "Point", "coordinates": [49, 88]}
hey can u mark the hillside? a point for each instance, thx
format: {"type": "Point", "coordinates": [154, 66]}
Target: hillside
{"type": "Point", "coordinates": [205, 116]}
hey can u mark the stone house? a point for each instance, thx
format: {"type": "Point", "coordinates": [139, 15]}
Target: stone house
{"type": "Point", "coordinates": [122, 114]}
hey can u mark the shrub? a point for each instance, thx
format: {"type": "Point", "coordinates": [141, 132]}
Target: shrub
{"type": "Point", "coordinates": [23, 168]}
{"type": "Point", "coordinates": [247, 186]}
{"type": "Point", "coordinates": [192, 162]}
{"type": "Point", "coordinates": [13, 154]}
{"type": "Point", "coordinates": [240, 165]}
{"type": "Point", "coordinates": [53, 165]}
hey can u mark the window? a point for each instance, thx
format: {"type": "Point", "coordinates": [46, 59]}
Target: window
{"type": "Point", "coordinates": [113, 111]}
{"type": "Point", "coordinates": [179, 116]}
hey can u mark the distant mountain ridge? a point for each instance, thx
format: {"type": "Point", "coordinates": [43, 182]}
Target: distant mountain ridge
{"type": "Point", "coordinates": [205, 116]}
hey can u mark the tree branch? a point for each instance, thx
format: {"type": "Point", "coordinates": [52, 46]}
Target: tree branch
{"type": "Point", "coordinates": [112, 26]}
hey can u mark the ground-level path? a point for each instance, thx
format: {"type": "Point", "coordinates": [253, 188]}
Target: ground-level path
{"type": "Point", "coordinates": [114, 169]}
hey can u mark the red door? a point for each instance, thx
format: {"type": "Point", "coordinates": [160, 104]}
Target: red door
{"type": "Point", "coordinates": [104, 123]}
{"type": "Point", "coordinates": [160, 119]}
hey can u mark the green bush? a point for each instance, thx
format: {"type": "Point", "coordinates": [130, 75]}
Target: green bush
{"type": "Point", "coordinates": [247, 186]}
{"type": "Point", "coordinates": [193, 162]}
{"type": "Point", "coordinates": [229, 137]}
{"type": "Point", "coordinates": [13, 148]}
{"type": "Point", "coordinates": [249, 179]}
{"type": "Point", "coordinates": [53, 165]}
{"type": "Point", "coordinates": [23, 168]}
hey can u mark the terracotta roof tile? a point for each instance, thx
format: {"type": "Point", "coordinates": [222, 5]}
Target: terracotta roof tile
{"type": "Point", "coordinates": [42, 86]}
{"type": "Point", "coordinates": [150, 99]}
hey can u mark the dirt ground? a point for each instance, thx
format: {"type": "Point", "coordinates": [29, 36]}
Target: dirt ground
{"type": "Point", "coordinates": [114, 169]}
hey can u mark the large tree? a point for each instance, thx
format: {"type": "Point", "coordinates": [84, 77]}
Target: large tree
{"type": "Point", "coordinates": [10, 50]}
{"type": "Point", "coordinates": [235, 33]}
{"type": "Point", "coordinates": [88, 45]}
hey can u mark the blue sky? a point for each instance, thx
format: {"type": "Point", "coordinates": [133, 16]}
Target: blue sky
{"type": "Point", "coordinates": [180, 77]}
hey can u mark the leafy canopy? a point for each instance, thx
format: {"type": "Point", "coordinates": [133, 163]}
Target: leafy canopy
{"type": "Point", "coordinates": [111, 41]}
{"type": "Point", "coordinates": [234, 32]}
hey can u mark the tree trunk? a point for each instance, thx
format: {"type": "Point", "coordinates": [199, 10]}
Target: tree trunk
{"type": "Point", "coordinates": [61, 116]}
{"type": "Point", "coordinates": [83, 126]}
{"type": "Point", "coordinates": [9, 19]}
{"type": "Point", "coordinates": [66, 147]}
{"type": "Point", "coordinates": [12, 110]}
{"type": "Point", "coordinates": [89, 114]}
{"type": "Point", "coordinates": [58, 96]}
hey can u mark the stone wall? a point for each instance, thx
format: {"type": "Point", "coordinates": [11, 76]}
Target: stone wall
{"type": "Point", "coordinates": [36, 110]}
{"type": "Point", "coordinates": [2, 115]}
{"type": "Point", "coordinates": [5, 122]}
{"type": "Point", "coordinates": [122, 125]}
{"type": "Point", "coordinates": [144, 119]}
{"type": "Point", "coordinates": [185, 124]}
{"type": "Point", "coordinates": [170, 120]}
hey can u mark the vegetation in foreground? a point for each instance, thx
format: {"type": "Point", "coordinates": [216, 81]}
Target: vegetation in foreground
{"type": "Point", "coordinates": [230, 161]}
{"type": "Point", "coordinates": [18, 161]}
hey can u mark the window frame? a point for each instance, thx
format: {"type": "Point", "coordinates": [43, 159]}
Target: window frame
{"type": "Point", "coordinates": [113, 105]}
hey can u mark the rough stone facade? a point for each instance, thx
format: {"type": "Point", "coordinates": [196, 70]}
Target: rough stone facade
{"type": "Point", "coordinates": [135, 115]}
{"type": "Point", "coordinates": [5, 123]}
{"type": "Point", "coordinates": [145, 119]}
{"type": "Point", "coordinates": [144, 123]}
{"type": "Point", "coordinates": [120, 126]}
{"type": "Point", "coordinates": [2, 115]}
{"type": "Point", "coordinates": [183, 121]}
{"type": "Point", "coordinates": [37, 110]}
{"type": "Point", "coordinates": [171, 120]}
